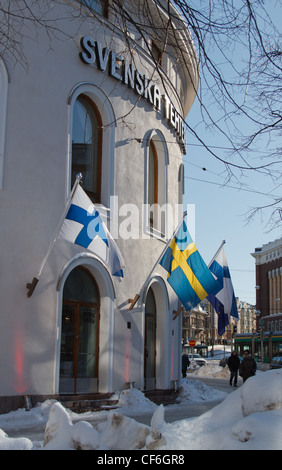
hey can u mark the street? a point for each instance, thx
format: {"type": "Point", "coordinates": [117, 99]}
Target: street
{"type": "Point", "coordinates": [192, 409]}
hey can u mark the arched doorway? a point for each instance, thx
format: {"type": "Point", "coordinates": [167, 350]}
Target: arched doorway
{"type": "Point", "coordinates": [150, 341]}
{"type": "Point", "coordinates": [80, 333]}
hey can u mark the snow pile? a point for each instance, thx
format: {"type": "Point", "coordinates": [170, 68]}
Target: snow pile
{"type": "Point", "coordinates": [212, 370]}
{"type": "Point", "coordinates": [22, 418]}
{"type": "Point", "coordinates": [118, 432]}
{"type": "Point", "coordinates": [133, 399]}
{"type": "Point", "coordinates": [249, 418]}
{"type": "Point", "coordinates": [259, 395]}
{"type": "Point", "coordinates": [10, 443]}
{"type": "Point", "coordinates": [122, 433]}
{"type": "Point", "coordinates": [196, 390]}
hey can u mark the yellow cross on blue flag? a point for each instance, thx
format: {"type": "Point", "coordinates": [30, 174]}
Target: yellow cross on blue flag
{"type": "Point", "coordinates": [188, 274]}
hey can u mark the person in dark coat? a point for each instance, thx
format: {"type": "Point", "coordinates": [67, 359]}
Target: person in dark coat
{"type": "Point", "coordinates": [233, 363]}
{"type": "Point", "coordinates": [185, 364]}
{"type": "Point", "coordinates": [248, 366]}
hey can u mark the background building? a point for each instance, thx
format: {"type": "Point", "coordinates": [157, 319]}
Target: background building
{"type": "Point", "coordinates": [93, 93]}
{"type": "Point", "coordinates": [268, 260]}
{"type": "Point", "coordinates": [247, 317]}
{"type": "Point", "coordinates": [266, 341]}
{"type": "Point", "coordinates": [201, 322]}
{"type": "Point", "coordinates": [196, 326]}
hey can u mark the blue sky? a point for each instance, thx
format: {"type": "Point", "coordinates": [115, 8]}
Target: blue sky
{"type": "Point", "coordinates": [221, 212]}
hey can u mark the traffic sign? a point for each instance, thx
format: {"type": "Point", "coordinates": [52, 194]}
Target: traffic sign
{"type": "Point", "coordinates": [192, 343]}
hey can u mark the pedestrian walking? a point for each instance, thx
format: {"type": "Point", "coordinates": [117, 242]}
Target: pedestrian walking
{"type": "Point", "coordinates": [248, 366]}
{"type": "Point", "coordinates": [185, 364]}
{"type": "Point", "coordinates": [233, 363]}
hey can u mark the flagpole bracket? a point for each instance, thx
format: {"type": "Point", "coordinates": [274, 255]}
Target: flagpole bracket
{"type": "Point", "coordinates": [133, 301]}
{"type": "Point", "coordinates": [177, 312]}
{"type": "Point", "coordinates": [31, 286]}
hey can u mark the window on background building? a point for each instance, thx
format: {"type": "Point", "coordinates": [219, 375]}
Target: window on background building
{"type": "Point", "coordinates": [97, 6]}
{"type": "Point", "coordinates": [87, 146]}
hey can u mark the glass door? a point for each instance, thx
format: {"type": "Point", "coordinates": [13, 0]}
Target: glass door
{"type": "Point", "coordinates": [150, 342]}
{"type": "Point", "coordinates": [79, 362]}
{"type": "Point", "coordinates": [87, 349]}
{"type": "Point", "coordinates": [67, 365]}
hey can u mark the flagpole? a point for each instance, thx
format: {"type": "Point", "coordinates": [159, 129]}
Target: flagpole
{"type": "Point", "coordinates": [31, 286]}
{"type": "Point", "coordinates": [222, 243]}
{"type": "Point", "coordinates": [137, 296]}
{"type": "Point", "coordinates": [212, 312]}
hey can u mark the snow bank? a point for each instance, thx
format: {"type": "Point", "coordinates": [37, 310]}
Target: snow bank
{"type": "Point", "coordinates": [258, 396]}
{"type": "Point", "coordinates": [197, 391]}
{"type": "Point", "coordinates": [122, 433]}
{"type": "Point", "coordinates": [10, 443]}
{"type": "Point", "coordinates": [212, 370]}
{"type": "Point", "coordinates": [249, 418]}
{"type": "Point", "coordinates": [37, 416]}
{"type": "Point", "coordinates": [133, 399]}
{"type": "Point", "coordinates": [118, 432]}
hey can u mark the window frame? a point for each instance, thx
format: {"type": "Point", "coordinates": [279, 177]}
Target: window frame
{"type": "Point", "coordinates": [4, 79]}
{"type": "Point", "coordinates": [95, 197]}
{"type": "Point", "coordinates": [156, 141]}
{"type": "Point", "coordinates": [104, 7]}
{"type": "Point", "coordinates": [154, 156]}
{"type": "Point", "coordinates": [156, 52]}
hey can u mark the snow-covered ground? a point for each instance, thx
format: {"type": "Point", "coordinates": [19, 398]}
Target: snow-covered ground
{"type": "Point", "coordinates": [249, 418]}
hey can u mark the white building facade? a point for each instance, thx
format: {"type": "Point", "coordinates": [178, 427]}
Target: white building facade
{"type": "Point", "coordinates": [87, 97]}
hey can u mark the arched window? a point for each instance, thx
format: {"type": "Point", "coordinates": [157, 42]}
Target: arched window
{"type": "Point", "coordinates": [153, 183]}
{"type": "Point", "coordinates": [156, 174]}
{"type": "Point", "coordinates": [3, 112]}
{"type": "Point", "coordinates": [87, 146]}
{"type": "Point", "coordinates": [81, 287]}
{"type": "Point", "coordinates": [98, 6]}
{"type": "Point", "coordinates": [181, 188]}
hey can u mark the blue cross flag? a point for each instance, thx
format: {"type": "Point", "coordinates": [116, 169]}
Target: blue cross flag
{"type": "Point", "coordinates": [84, 226]}
{"type": "Point", "coordinates": [224, 301]}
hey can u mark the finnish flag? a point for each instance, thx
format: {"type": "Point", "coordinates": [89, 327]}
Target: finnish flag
{"type": "Point", "coordinates": [84, 226]}
{"type": "Point", "coordinates": [224, 301]}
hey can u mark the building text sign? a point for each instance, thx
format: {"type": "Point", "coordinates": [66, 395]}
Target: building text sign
{"type": "Point", "coordinates": [126, 73]}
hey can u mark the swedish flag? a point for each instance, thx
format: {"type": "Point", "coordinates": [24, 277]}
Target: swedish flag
{"type": "Point", "coordinates": [188, 274]}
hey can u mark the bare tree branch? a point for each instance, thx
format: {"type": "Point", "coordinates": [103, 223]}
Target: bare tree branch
{"type": "Point", "coordinates": [239, 57]}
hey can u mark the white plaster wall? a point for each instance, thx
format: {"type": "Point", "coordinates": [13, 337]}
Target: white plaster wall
{"type": "Point", "coordinates": [35, 186]}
